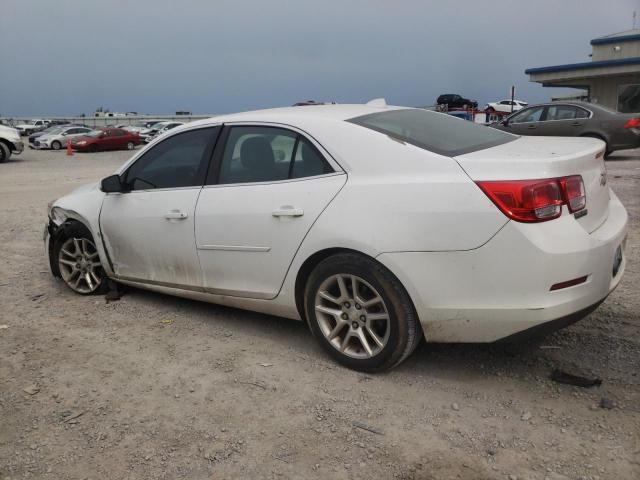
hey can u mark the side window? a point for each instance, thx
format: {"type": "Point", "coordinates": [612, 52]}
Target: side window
{"type": "Point", "coordinates": [308, 162]}
{"type": "Point", "coordinates": [267, 154]}
{"type": "Point", "coordinates": [117, 133]}
{"type": "Point", "coordinates": [256, 154]}
{"type": "Point", "coordinates": [582, 113]}
{"type": "Point", "coordinates": [528, 115]}
{"type": "Point", "coordinates": [561, 112]}
{"type": "Point", "coordinates": [178, 161]}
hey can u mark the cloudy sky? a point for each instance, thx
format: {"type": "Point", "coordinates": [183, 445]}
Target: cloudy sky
{"type": "Point", "coordinates": [65, 57]}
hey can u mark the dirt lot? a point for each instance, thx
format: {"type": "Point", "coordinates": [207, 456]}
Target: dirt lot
{"type": "Point", "coordinates": [158, 387]}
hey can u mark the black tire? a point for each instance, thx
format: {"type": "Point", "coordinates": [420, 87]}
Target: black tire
{"type": "Point", "coordinates": [5, 152]}
{"type": "Point", "coordinates": [56, 145]}
{"type": "Point", "coordinates": [79, 232]}
{"type": "Point", "coordinates": [93, 148]}
{"type": "Point", "coordinates": [491, 110]}
{"type": "Point", "coordinates": [404, 333]}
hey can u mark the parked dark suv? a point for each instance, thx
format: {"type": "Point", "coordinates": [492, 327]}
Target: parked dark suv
{"type": "Point", "coordinates": [453, 100]}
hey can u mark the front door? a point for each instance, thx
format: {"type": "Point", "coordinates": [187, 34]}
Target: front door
{"type": "Point", "coordinates": [526, 122]}
{"type": "Point", "coordinates": [268, 188]}
{"type": "Point", "coordinates": [148, 231]}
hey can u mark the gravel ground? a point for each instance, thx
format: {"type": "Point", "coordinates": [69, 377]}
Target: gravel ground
{"type": "Point", "coordinates": [152, 386]}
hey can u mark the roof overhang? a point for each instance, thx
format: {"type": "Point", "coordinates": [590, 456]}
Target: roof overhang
{"type": "Point", "coordinates": [621, 39]}
{"type": "Point", "coordinates": [576, 72]}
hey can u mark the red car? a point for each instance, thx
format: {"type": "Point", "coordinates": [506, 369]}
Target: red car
{"type": "Point", "coordinates": [106, 139]}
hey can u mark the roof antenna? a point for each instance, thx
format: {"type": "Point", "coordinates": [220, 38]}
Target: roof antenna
{"type": "Point", "coordinates": [634, 19]}
{"type": "Point", "coordinates": [377, 102]}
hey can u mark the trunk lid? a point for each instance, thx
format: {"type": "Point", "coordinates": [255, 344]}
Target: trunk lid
{"type": "Point", "coordinates": [547, 157]}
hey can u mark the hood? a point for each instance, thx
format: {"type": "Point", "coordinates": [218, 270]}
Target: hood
{"type": "Point", "coordinates": [89, 187]}
{"type": "Point", "coordinates": [9, 131]}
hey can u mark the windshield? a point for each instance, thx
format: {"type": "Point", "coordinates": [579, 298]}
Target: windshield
{"type": "Point", "coordinates": [93, 133]}
{"type": "Point", "coordinates": [437, 132]}
{"type": "Point", "coordinates": [158, 126]}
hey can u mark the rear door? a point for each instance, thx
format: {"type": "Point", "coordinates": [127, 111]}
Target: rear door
{"type": "Point", "coordinates": [267, 187]}
{"type": "Point", "coordinates": [563, 121]}
{"type": "Point", "coordinates": [526, 122]}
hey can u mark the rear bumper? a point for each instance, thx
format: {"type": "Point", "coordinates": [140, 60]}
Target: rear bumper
{"type": "Point", "coordinates": [503, 288]}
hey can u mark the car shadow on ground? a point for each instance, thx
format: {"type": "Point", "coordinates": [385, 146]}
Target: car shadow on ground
{"type": "Point", "coordinates": [452, 361]}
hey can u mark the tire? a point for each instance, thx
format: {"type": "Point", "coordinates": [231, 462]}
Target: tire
{"type": "Point", "coordinates": [381, 309]}
{"type": "Point", "coordinates": [5, 153]}
{"type": "Point", "coordinates": [130, 146]}
{"type": "Point", "coordinates": [93, 148]}
{"type": "Point", "coordinates": [491, 110]}
{"type": "Point", "coordinates": [56, 145]}
{"type": "Point", "coordinates": [76, 260]}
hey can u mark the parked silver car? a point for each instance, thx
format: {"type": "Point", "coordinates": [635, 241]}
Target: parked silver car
{"type": "Point", "coordinates": [58, 138]}
{"type": "Point", "coordinates": [619, 131]}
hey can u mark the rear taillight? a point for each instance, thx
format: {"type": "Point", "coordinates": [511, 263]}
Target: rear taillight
{"type": "Point", "coordinates": [536, 200]}
{"type": "Point", "coordinates": [574, 194]}
{"type": "Point", "coordinates": [632, 123]}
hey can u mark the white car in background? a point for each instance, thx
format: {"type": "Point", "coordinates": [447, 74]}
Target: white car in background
{"type": "Point", "coordinates": [32, 126]}
{"type": "Point", "coordinates": [58, 138]}
{"type": "Point", "coordinates": [159, 129]}
{"type": "Point", "coordinates": [10, 143]}
{"type": "Point", "coordinates": [504, 106]}
{"type": "Point", "coordinates": [377, 225]}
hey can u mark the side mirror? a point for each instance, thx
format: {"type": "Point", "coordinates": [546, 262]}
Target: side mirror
{"type": "Point", "coordinates": [112, 184]}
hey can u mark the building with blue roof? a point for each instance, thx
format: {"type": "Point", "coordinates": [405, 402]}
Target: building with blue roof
{"type": "Point", "coordinates": [611, 78]}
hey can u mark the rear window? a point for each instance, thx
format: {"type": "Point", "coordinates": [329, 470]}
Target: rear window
{"type": "Point", "coordinates": [437, 132]}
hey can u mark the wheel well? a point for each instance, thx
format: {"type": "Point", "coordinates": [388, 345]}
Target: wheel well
{"type": "Point", "coordinates": [8, 144]}
{"type": "Point", "coordinates": [595, 135]}
{"type": "Point", "coordinates": [61, 232]}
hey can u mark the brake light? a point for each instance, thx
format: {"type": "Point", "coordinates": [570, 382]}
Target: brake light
{"type": "Point", "coordinates": [533, 201]}
{"type": "Point", "coordinates": [632, 123]}
{"type": "Point", "coordinates": [574, 194]}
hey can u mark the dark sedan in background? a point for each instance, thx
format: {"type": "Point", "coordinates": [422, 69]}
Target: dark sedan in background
{"type": "Point", "coordinates": [106, 139]}
{"type": "Point", "coordinates": [619, 131]}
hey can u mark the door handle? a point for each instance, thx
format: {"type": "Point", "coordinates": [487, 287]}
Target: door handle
{"type": "Point", "coordinates": [531, 127]}
{"type": "Point", "coordinates": [576, 124]}
{"type": "Point", "coordinates": [175, 215]}
{"type": "Point", "coordinates": [288, 211]}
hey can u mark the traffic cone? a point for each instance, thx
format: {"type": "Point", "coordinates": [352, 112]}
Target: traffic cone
{"type": "Point", "coordinates": [69, 149]}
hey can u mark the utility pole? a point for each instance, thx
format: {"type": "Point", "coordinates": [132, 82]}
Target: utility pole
{"type": "Point", "coordinates": [513, 94]}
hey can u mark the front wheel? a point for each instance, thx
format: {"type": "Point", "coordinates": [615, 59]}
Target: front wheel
{"type": "Point", "coordinates": [93, 148]}
{"type": "Point", "coordinates": [78, 262]}
{"type": "Point", "coordinates": [130, 146]}
{"type": "Point", "coordinates": [5, 153]}
{"type": "Point", "coordinates": [360, 313]}
{"type": "Point", "coordinates": [56, 145]}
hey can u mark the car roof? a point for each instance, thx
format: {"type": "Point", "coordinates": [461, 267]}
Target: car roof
{"type": "Point", "coordinates": [336, 112]}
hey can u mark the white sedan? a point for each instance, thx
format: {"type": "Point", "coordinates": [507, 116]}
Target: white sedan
{"type": "Point", "coordinates": [58, 139]}
{"type": "Point", "coordinates": [377, 225]}
{"type": "Point", "coordinates": [504, 106]}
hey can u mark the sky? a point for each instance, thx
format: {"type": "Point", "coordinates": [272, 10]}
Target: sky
{"type": "Point", "coordinates": [67, 57]}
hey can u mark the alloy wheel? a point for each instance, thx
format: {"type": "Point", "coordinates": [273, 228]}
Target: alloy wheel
{"type": "Point", "coordinates": [79, 265]}
{"type": "Point", "coordinates": [352, 316]}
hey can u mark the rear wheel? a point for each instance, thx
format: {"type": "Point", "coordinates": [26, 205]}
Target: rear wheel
{"type": "Point", "coordinates": [56, 145]}
{"type": "Point", "coordinates": [5, 152]}
{"type": "Point", "coordinates": [360, 313]}
{"type": "Point", "coordinates": [78, 262]}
